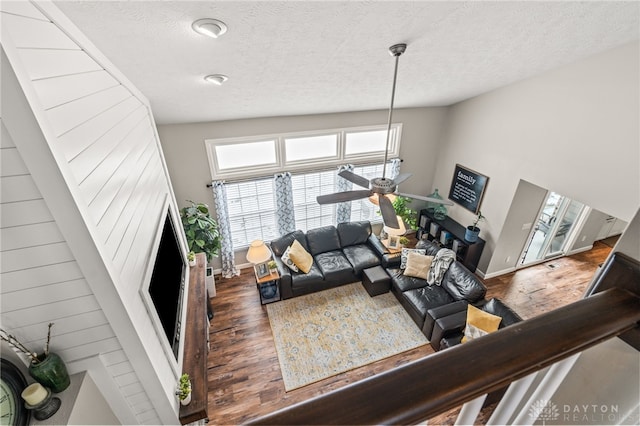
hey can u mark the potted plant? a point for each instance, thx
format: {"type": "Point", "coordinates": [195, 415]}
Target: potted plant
{"type": "Point", "coordinates": [272, 265]}
{"type": "Point", "coordinates": [201, 230]}
{"type": "Point", "coordinates": [403, 241]}
{"type": "Point", "coordinates": [409, 217]}
{"type": "Point", "coordinates": [184, 389]}
{"type": "Point", "coordinates": [472, 231]}
{"type": "Point", "coordinates": [46, 368]}
{"type": "Point", "coordinates": [191, 257]}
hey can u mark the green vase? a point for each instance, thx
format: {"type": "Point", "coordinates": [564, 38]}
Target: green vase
{"type": "Point", "coordinates": [50, 372]}
{"type": "Point", "coordinates": [431, 206]}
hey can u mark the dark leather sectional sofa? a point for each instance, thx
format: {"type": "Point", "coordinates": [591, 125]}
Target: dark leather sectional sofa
{"type": "Point", "coordinates": [417, 296]}
{"type": "Point", "coordinates": [340, 254]}
{"type": "Point", "coordinates": [441, 311]}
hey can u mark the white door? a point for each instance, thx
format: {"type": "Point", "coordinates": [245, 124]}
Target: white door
{"type": "Point", "coordinates": [555, 224]}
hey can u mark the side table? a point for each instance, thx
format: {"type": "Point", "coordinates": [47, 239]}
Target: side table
{"type": "Point", "coordinates": [269, 287]}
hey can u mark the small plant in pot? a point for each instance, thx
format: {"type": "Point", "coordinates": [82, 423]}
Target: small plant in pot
{"type": "Point", "coordinates": [46, 368]}
{"type": "Point", "coordinates": [191, 257]}
{"type": "Point", "coordinates": [184, 389]}
{"type": "Point", "coordinates": [201, 230]}
{"type": "Point", "coordinates": [272, 265]}
{"type": "Point", "coordinates": [472, 231]}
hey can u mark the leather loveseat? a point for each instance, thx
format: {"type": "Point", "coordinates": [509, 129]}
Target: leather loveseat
{"type": "Point", "coordinates": [449, 321]}
{"type": "Point", "coordinates": [417, 296]}
{"type": "Point", "coordinates": [340, 254]}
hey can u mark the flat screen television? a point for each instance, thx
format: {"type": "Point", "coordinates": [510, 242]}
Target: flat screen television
{"type": "Point", "coordinates": [166, 287]}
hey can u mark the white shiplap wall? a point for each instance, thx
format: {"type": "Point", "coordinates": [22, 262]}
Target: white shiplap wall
{"type": "Point", "coordinates": [81, 264]}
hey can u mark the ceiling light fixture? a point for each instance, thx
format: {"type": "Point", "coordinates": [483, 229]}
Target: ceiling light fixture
{"type": "Point", "coordinates": [217, 79]}
{"type": "Point", "coordinates": [209, 27]}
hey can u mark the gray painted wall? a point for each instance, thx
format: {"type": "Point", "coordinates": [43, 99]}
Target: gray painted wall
{"type": "Point", "coordinates": [184, 147]}
{"type": "Point", "coordinates": [573, 130]}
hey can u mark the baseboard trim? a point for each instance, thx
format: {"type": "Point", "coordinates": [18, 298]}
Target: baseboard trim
{"type": "Point", "coordinates": [498, 273]}
{"type": "Point", "coordinates": [580, 250]}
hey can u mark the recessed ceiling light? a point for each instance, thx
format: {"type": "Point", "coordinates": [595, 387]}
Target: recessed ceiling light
{"type": "Point", "coordinates": [209, 27]}
{"type": "Point", "coordinates": [216, 79]}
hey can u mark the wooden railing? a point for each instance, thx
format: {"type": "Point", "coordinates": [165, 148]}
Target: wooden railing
{"type": "Point", "coordinates": [440, 382]}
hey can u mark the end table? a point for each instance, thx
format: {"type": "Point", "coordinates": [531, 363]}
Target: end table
{"type": "Point", "coordinates": [269, 287]}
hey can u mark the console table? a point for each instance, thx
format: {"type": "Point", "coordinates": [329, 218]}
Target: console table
{"type": "Point", "coordinates": [467, 253]}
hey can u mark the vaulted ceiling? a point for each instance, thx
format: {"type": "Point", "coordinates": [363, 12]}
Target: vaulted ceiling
{"type": "Point", "coordinates": [310, 57]}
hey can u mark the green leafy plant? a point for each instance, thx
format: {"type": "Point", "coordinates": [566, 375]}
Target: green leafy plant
{"type": "Point", "coordinates": [478, 218]}
{"type": "Point", "coordinates": [409, 217]}
{"type": "Point", "coordinates": [272, 264]}
{"type": "Point", "coordinates": [201, 229]}
{"type": "Point", "coordinates": [191, 256]}
{"type": "Point", "coordinates": [184, 387]}
{"type": "Point", "coordinates": [403, 240]}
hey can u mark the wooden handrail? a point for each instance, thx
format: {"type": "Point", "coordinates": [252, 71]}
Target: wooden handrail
{"type": "Point", "coordinates": [434, 384]}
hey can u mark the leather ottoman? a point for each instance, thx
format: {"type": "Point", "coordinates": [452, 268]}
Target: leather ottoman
{"type": "Point", "coordinates": [376, 280]}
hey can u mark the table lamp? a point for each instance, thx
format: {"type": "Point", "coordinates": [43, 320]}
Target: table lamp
{"type": "Point", "coordinates": [258, 252]}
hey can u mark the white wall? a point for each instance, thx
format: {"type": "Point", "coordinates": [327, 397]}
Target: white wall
{"type": "Point", "coordinates": [574, 130]}
{"type": "Point", "coordinates": [92, 164]}
{"type": "Point", "coordinates": [189, 169]}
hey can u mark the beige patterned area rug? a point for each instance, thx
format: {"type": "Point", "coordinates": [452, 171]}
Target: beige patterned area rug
{"type": "Point", "coordinates": [323, 334]}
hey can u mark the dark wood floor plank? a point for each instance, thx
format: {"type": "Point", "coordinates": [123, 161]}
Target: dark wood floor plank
{"type": "Point", "coordinates": [244, 375]}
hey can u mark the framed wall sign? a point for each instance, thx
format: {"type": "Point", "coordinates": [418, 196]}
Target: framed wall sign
{"type": "Point", "coordinates": [467, 188]}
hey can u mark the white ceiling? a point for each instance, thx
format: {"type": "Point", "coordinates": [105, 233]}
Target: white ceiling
{"type": "Point", "coordinates": [305, 57]}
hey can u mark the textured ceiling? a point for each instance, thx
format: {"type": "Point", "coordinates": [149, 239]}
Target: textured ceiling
{"type": "Point", "coordinates": [303, 57]}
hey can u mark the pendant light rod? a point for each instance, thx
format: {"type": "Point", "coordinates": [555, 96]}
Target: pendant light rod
{"type": "Point", "coordinates": [395, 50]}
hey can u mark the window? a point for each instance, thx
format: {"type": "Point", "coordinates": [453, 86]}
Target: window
{"type": "Point", "coordinates": [251, 211]}
{"type": "Point", "coordinates": [364, 209]}
{"type": "Point", "coordinates": [306, 187]}
{"type": "Point", "coordinates": [311, 148]}
{"type": "Point", "coordinates": [312, 158]}
{"type": "Point", "coordinates": [233, 156]}
{"type": "Point", "coordinates": [238, 158]}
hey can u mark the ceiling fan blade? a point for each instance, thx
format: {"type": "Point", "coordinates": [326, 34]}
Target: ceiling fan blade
{"type": "Point", "coordinates": [352, 177]}
{"type": "Point", "coordinates": [388, 212]}
{"type": "Point", "coordinates": [401, 178]}
{"type": "Point", "coordinates": [341, 197]}
{"type": "Point", "coordinates": [433, 200]}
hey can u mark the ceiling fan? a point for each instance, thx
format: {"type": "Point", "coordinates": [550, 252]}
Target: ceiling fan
{"type": "Point", "coordinates": [380, 186]}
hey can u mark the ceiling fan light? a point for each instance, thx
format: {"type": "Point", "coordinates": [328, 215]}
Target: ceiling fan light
{"type": "Point", "coordinates": [209, 27]}
{"type": "Point", "coordinates": [217, 79]}
{"type": "Point", "coordinates": [396, 231]}
{"type": "Point", "coordinates": [374, 198]}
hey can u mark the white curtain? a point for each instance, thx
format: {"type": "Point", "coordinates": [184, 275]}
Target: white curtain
{"type": "Point", "coordinates": [285, 214]}
{"type": "Point", "coordinates": [227, 256]}
{"type": "Point", "coordinates": [394, 169]}
{"type": "Point", "coordinates": [343, 210]}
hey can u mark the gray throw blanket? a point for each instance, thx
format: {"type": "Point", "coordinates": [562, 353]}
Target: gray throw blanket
{"type": "Point", "coordinates": [439, 266]}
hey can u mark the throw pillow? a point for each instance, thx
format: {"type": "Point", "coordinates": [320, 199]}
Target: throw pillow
{"type": "Point", "coordinates": [418, 265]}
{"type": "Point", "coordinates": [405, 253]}
{"type": "Point", "coordinates": [479, 323]}
{"type": "Point", "coordinates": [300, 257]}
{"type": "Point", "coordinates": [287, 260]}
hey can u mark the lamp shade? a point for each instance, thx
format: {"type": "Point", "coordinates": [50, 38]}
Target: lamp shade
{"type": "Point", "coordinates": [258, 252]}
{"type": "Point", "coordinates": [396, 231]}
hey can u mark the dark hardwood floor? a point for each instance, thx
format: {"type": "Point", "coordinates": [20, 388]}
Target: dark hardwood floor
{"type": "Point", "coordinates": [244, 375]}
